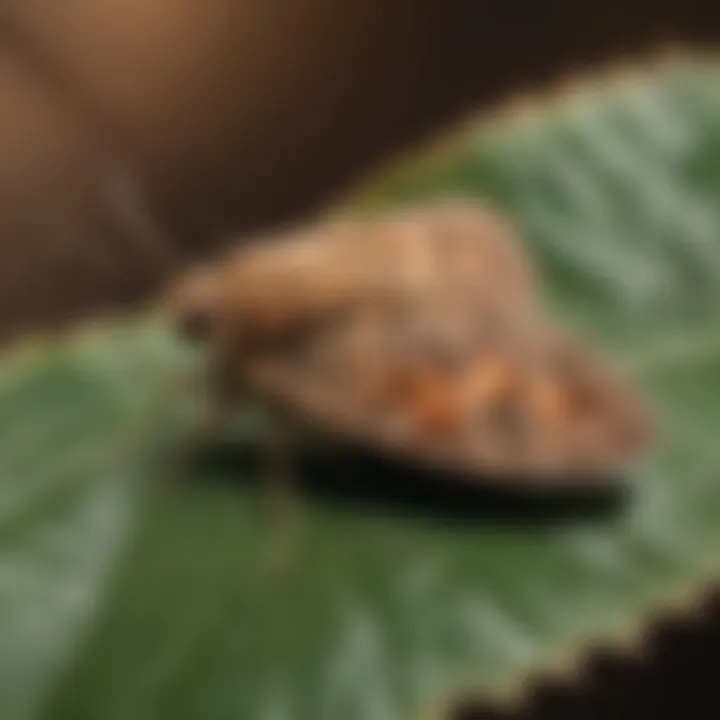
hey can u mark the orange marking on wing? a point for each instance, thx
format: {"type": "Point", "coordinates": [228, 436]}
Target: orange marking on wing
{"type": "Point", "coordinates": [494, 378]}
{"type": "Point", "coordinates": [434, 404]}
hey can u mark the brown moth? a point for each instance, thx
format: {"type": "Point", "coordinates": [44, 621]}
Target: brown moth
{"type": "Point", "coordinates": [419, 333]}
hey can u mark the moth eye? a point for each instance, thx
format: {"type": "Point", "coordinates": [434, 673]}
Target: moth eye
{"type": "Point", "coordinates": [195, 324]}
{"type": "Point", "coordinates": [194, 304]}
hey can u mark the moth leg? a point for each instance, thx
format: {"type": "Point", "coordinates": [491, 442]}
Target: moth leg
{"type": "Point", "coordinates": [280, 485]}
{"type": "Point", "coordinates": [219, 401]}
{"type": "Point", "coordinates": [214, 416]}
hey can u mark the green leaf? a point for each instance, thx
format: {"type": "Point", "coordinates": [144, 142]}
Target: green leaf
{"type": "Point", "coordinates": [128, 597]}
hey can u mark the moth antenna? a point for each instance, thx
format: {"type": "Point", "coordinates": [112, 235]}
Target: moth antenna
{"type": "Point", "coordinates": [122, 190]}
{"type": "Point", "coordinates": [129, 206]}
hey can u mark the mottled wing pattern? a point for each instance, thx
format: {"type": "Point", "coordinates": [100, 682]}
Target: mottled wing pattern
{"type": "Point", "coordinates": [290, 281]}
{"type": "Point", "coordinates": [461, 387]}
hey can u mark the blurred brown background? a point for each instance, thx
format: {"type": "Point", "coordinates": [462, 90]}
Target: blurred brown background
{"type": "Point", "coordinates": [241, 113]}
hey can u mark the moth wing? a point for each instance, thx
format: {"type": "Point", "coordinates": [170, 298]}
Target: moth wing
{"type": "Point", "coordinates": [473, 391]}
{"type": "Point", "coordinates": [448, 249]}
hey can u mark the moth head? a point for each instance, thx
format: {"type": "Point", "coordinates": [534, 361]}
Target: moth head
{"type": "Point", "coordinates": [194, 305]}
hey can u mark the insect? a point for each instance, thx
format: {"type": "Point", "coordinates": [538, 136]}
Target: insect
{"type": "Point", "coordinates": [421, 333]}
